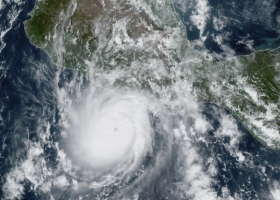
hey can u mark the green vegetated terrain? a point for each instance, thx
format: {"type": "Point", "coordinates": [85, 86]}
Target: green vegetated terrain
{"type": "Point", "coordinates": [262, 70]}
{"type": "Point", "coordinates": [249, 86]}
{"type": "Point", "coordinates": [67, 29]}
{"type": "Point", "coordinates": [53, 18]}
{"type": "Point", "coordinates": [143, 45]}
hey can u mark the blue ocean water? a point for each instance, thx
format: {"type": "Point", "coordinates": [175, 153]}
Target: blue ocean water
{"type": "Point", "coordinates": [235, 27]}
{"type": "Point", "coordinates": [28, 99]}
{"type": "Point", "coordinates": [26, 94]}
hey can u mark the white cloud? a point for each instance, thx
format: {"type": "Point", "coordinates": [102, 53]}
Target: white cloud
{"type": "Point", "coordinates": [219, 23]}
{"type": "Point", "coordinates": [197, 181]}
{"type": "Point", "coordinates": [200, 16]}
{"type": "Point", "coordinates": [61, 181]}
{"type": "Point", "coordinates": [201, 125]}
{"type": "Point", "coordinates": [228, 127]}
{"type": "Point", "coordinates": [34, 169]}
{"type": "Point", "coordinates": [108, 130]}
{"type": "Point", "coordinates": [12, 188]}
{"type": "Point", "coordinates": [275, 190]}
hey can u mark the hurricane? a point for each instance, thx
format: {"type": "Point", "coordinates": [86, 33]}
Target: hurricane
{"type": "Point", "coordinates": [108, 138]}
{"type": "Point", "coordinates": [108, 130]}
{"type": "Point", "coordinates": [139, 100]}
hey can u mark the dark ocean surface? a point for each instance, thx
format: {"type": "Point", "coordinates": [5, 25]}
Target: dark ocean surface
{"type": "Point", "coordinates": [234, 27]}
{"type": "Point", "coordinates": [28, 99]}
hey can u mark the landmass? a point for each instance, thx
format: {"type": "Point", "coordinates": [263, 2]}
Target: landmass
{"type": "Point", "coordinates": [142, 45]}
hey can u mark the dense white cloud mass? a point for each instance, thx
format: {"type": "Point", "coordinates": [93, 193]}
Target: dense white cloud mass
{"type": "Point", "coordinates": [124, 146]}
{"type": "Point", "coordinates": [276, 191]}
{"type": "Point", "coordinates": [108, 130]}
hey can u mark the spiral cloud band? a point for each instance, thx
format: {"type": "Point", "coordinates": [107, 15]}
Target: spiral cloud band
{"type": "Point", "coordinates": [109, 130]}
